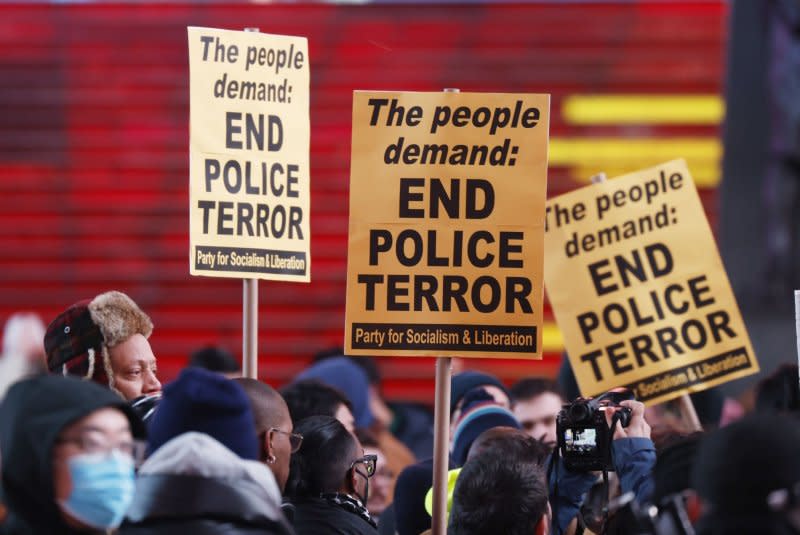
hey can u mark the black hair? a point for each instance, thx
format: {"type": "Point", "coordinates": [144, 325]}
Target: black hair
{"type": "Point", "coordinates": [509, 443]}
{"type": "Point", "coordinates": [311, 397]}
{"type": "Point", "coordinates": [367, 438]}
{"type": "Point", "coordinates": [531, 387]}
{"type": "Point", "coordinates": [779, 392]}
{"type": "Point", "coordinates": [215, 359]}
{"type": "Point", "coordinates": [324, 458]}
{"type": "Point", "coordinates": [498, 495]}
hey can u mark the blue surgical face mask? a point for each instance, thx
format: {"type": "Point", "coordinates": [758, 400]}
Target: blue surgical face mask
{"type": "Point", "coordinates": [102, 488]}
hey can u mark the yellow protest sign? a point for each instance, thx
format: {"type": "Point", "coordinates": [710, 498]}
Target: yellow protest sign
{"type": "Point", "coordinates": [249, 155]}
{"type": "Point", "coordinates": [447, 196]}
{"type": "Point", "coordinates": [639, 290]}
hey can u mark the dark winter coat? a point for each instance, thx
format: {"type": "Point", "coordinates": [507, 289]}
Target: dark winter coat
{"type": "Point", "coordinates": [318, 516]}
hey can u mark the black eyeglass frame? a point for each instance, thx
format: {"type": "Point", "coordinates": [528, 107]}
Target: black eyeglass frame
{"type": "Point", "coordinates": [370, 462]}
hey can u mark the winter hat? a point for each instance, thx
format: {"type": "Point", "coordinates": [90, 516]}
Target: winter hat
{"type": "Point", "coordinates": [77, 341]}
{"type": "Point", "coordinates": [479, 413]}
{"type": "Point", "coordinates": [206, 402]}
{"type": "Point", "coordinates": [452, 477]}
{"type": "Point", "coordinates": [463, 382]}
{"type": "Point", "coordinates": [739, 465]}
{"type": "Point", "coordinates": [350, 379]}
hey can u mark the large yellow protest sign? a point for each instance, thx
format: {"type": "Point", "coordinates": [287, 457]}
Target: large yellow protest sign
{"type": "Point", "coordinates": [249, 155]}
{"type": "Point", "coordinates": [638, 288]}
{"type": "Point", "coordinates": [447, 197]}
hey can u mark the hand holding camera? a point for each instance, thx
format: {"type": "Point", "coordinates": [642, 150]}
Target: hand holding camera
{"type": "Point", "coordinates": [636, 427]}
{"type": "Point", "coordinates": [584, 428]}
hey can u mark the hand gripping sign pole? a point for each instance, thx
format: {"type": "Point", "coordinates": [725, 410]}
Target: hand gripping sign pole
{"type": "Point", "coordinates": [685, 402]}
{"type": "Point", "coordinates": [250, 318]}
{"type": "Point", "coordinates": [441, 436]}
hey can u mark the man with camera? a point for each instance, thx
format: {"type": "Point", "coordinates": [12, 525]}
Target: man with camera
{"type": "Point", "coordinates": [604, 434]}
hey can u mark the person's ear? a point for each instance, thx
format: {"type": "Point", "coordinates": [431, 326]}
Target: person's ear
{"type": "Point", "coordinates": [351, 480]}
{"type": "Point", "coordinates": [267, 449]}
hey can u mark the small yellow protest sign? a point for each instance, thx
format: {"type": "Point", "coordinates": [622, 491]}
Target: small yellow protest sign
{"type": "Point", "coordinates": [249, 155]}
{"type": "Point", "coordinates": [639, 290]}
{"type": "Point", "coordinates": [447, 197]}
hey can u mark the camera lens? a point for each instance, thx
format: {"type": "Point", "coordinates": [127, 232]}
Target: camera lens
{"type": "Point", "coordinates": [579, 412]}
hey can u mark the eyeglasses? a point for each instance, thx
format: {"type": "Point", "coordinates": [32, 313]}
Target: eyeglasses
{"type": "Point", "coordinates": [96, 443]}
{"type": "Point", "coordinates": [295, 439]}
{"type": "Point", "coordinates": [370, 462]}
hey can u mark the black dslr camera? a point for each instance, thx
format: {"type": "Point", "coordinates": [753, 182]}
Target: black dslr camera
{"type": "Point", "coordinates": [584, 438]}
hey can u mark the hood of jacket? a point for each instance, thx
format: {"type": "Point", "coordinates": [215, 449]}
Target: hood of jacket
{"type": "Point", "coordinates": [32, 415]}
{"type": "Point", "coordinates": [220, 484]}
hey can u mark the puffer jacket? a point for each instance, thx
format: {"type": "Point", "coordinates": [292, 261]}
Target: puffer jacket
{"type": "Point", "coordinates": [193, 484]}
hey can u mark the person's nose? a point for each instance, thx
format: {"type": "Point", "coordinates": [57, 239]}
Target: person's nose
{"type": "Point", "coordinates": [151, 383]}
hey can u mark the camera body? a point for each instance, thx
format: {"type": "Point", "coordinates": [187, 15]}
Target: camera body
{"type": "Point", "coordinates": [584, 438]}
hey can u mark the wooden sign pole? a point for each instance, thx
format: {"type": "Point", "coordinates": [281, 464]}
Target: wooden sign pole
{"type": "Point", "coordinates": [441, 437]}
{"type": "Point", "coordinates": [250, 328]}
{"type": "Point", "coordinates": [250, 318]}
{"type": "Point", "coordinates": [441, 440]}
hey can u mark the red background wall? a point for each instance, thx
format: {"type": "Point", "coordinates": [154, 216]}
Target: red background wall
{"type": "Point", "coordinates": [94, 143]}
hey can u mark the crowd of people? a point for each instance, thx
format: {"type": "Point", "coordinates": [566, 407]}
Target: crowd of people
{"type": "Point", "coordinates": [91, 442]}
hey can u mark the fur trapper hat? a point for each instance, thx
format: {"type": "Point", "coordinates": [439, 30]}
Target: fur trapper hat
{"type": "Point", "coordinates": [78, 340]}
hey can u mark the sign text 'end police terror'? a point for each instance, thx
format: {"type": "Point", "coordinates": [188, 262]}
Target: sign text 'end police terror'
{"type": "Point", "coordinates": [672, 302]}
{"type": "Point", "coordinates": [447, 199]}
{"type": "Point", "coordinates": [257, 178]}
{"type": "Point", "coordinates": [639, 290]}
{"type": "Point", "coordinates": [480, 248]}
{"type": "Point", "coordinates": [249, 178]}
